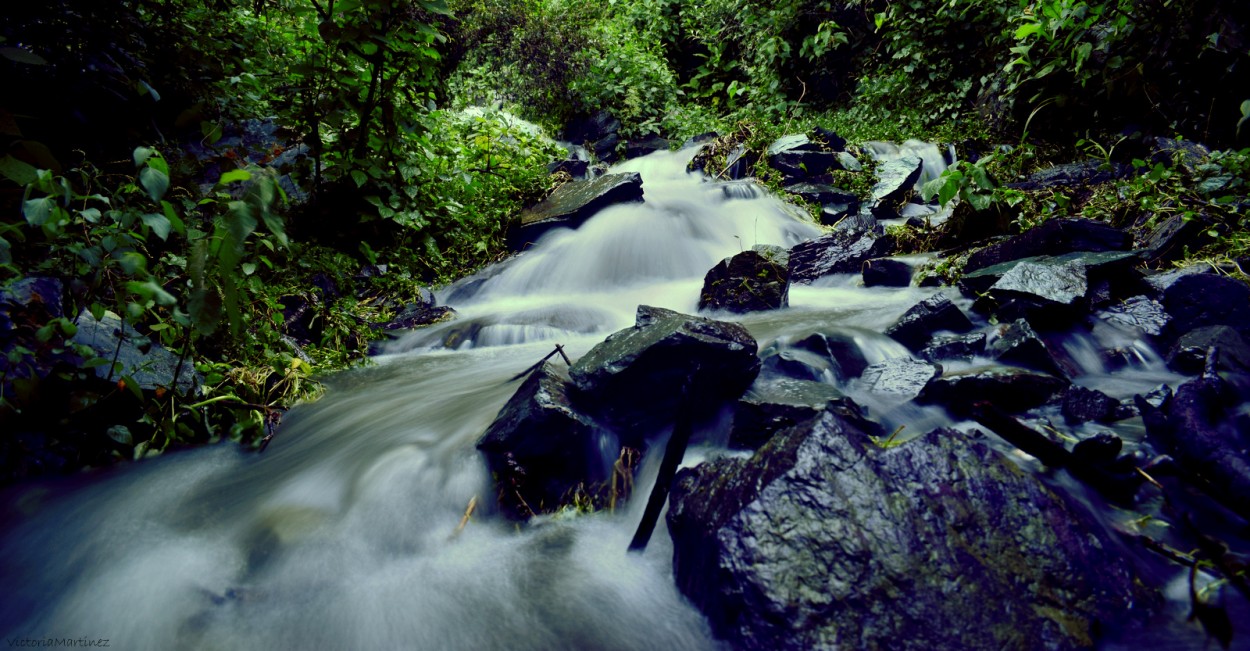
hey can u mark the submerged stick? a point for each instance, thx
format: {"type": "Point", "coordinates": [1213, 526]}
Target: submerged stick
{"type": "Point", "coordinates": [468, 512]}
{"type": "Point", "coordinates": [683, 427]}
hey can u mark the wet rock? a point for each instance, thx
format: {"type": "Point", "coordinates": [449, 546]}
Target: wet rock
{"type": "Point", "coordinates": [886, 272]}
{"type": "Point", "coordinates": [863, 221]}
{"type": "Point", "coordinates": [1198, 300]}
{"type": "Point", "coordinates": [419, 315]}
{"type": "Point", "coordinates": [796, 364]}
{"type": "Point", "coordinates": [918, 323]}
{"type": "Point", "coordinates": [1198, 426]}
{"type": "Point", "coordinates": [39, 298]}
{"type": "Point", "coordinates": [1018, 343]}
{"type": "Point", "coordinates": [821, 193]}
{"type": "Point", "coordinates": [738, 163]}
{"type": "Point", "coordinates": [840, 348]}
{"type": "Point", "coordinates": [1188, 355]}
{"type": "Point", "coordinates": [1098, 450]}
{"type": "Point", "coordinates": [1115, 266]}
{"type": "Point", "coordinates": [574, 203]}
{"type": "Point", "coordinates": [773, 405]}
{"type": "Point", "coordinates": [791, 142]}
{"type": "Point", "coordinates": [954, 347]}
{"type": "Point", "coordinates": [839, 252]}
{"type": "Point", "coordinates": [849, 162]}
{"type": "Point", "coordinates": [795, 164]}
{"type": "Point", "coordinates": [1070, 175]}
{"type": "Point", "coordinates": [899, 376]}
{"type": "Point", "coordinates": [823, 540]}
{"type": "Point", "coordinates": [148, 363]}
{"type": "Point", "coordinates": [598, 132]}
{"type": "Point", "coordinates": [574, 166]}
{"type": "Point", "coordinates": [1080, 405]}
{"type": "Point", "coordinates": [830, 139]}
{"type": "Point", "coordinates": [636, 376]}
{"type": "Point", "coordinates": [1141, 313]}
{"type": "Point", "coordinates": [1168, 241]}
{"type": "Point", "coordinates": [1053, 238]}
{"type": "Point", "coordinates": [540, 448]}
{"type": "Point", "coordinates": [895, 178]}
{"type": "Point", "coordinates": [1051, 281]}
{"type": "Point", "coordinates": [647, 145]}
{"type": "Point", "coordinates": [1011, 389]}
{"type": "Point", "coordinates": [751, 281]}
{"type": "Point", "coordinates": [838, 212]}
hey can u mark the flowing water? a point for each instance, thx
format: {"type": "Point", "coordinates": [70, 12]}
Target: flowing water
{"type": "Point", "coordinates": [344, 533]}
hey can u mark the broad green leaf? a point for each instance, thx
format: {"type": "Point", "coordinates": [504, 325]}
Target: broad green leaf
{"type": "Point", "coordinates": [174, 219]}
{"type": "Point", "coordinates": [90, 215]}
{"type": "Point", "coordinates": [234, 175]}
{"type": "Point", "coordinates": [1027, 29]}
{"type": "Point", "coordinates": [159, 224]}
{"type": "Point", "coordinates": [151, 291]}
{"type": "Point", "coordinates": [20, 172]}
{"type": "Point", "coordinates": [211, 131]}
{"type": "Point", "coordinates": [154, 181]}
{"type": "Point", "coordinates": [37, 211]}
{"type": "Point", "coordinates": [979, 201]}
{"type": "Point", "coordinates": [120, 434]}
{"type": "Point", "coordinates": [142, 154]}
{"type": "Point", "coordinates": [360, 178]}
{"type": "Point", "coordinates": [19, 55]}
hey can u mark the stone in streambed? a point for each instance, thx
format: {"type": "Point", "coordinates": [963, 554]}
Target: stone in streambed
{"type": "Point", "coordinates": [823, 540]}
{"type": "Point", "coordinates": [770, 406]}
{"type": "Point", "coordinates": [573, 203]}
{"type": "Point", "coordinates": [540, 447]}
{"type": "Point", "coordinates": [838, 252]}
{"type": "Point", "coordinates": [918, 323]}
{"type": "Point", "coordinates": [1010, 389]}
{"type": "Point", "coordinates": [1053, 237]}
{"type": "Point", "coordinates": [635, 378]}
{"type": "Point", "coordinates": [750, 281]}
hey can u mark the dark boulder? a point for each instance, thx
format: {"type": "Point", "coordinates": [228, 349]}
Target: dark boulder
{"type": "Point", "coordinates": [574, 203]}
{"type": "Point", "coordinates": [574, 166]}
{"type": "Point", "coordinates": [839, 252]}
{"type": "Point", "coordinates": [821, 193]}
{"type": "Point", "coordinates": [796, 364]}
{"type": "Point", "coordinates": [1115, 266]}
{"type": "Point", "coordinates": [1138, 312]}
{"type": "Point", "coordinates": [1098, 450]}
{"type": "Point", "coordinates": [918, 323]}
{"type": "Point", "coordinates": [598, 132]}
{"type": "Point", "coordinates": [862, 221]}
{"type": "Point", "coordinates": [647, 145]}
{"type": "Point", "coordinates": [899, 376]}
{"type": "Point", "coordinates": [830, 139]}
{"type": "Point", "coordinates": [1010, 389]}
{"type": "Point", "coordinates": [954, 347]}
{"type": "Point", "coordinates": [838, 347]}
{"type": "Point", "coordinates": [1199, 427]}
{"type": "Point", "coordinates": [635, 378]}
{"type": "Point", "coordinates": [797, 157]}
{"type": "Point", "coordinates": [1054, 237]}
{"type": "Point", "coordinates": [1170, 239]}
{"type": "Point", "coordinates": [886, 272]}
{"type": "Point", "coordinates": [418, 315]}
{"type": "Point", "coordinates": [1019, 344]}
{"type": "Point", "coordinates": [1198, 300]}
{"type": "Point", "coordinates": [823, 540]}
{"type": "Point", "coordinates": [837, 212]}
{"type": "Point", "coordinates": [773, 405]}
{"type": "Point", "coordinates": [1080, 405]}
{"type": "Point", "coordinates": [1072, 175]}
{"type": "Point", "coordinates": [540, 448]}
{"type": "Point", "coordinates": [751, 281]}
{"type": "Point", "coordinates": [895, 179]}
{"type": "Point", "coordinates": [1188, 355]}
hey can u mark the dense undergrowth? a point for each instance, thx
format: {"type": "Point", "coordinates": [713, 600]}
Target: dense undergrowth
{"type": "Point", "coordinates": [121, 179]}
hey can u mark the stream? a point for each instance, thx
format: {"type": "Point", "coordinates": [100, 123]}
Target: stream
{"type": "Point", "coordinates": [344, 534]}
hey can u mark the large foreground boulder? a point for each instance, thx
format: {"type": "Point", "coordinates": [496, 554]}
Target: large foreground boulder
{"type": "Point", "coordinates": [638, 377]}
{"type": "Point", "coordinates": [574, 203]}
{"type": "Point", "coordinates": [823, 540]}
{"type": "Point", "coordinates": [1053, 237]}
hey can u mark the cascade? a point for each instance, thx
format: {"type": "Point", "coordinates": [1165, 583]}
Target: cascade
{"type": "Point", "coordinates": [344, 533]}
